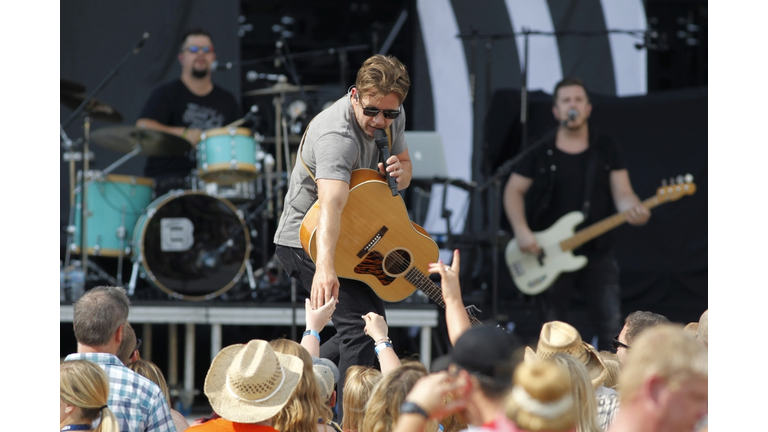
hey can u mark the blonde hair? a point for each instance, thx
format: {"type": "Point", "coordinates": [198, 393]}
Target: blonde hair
{"type": "Point", "coordinates": [85, 385]}
{"type": "Point", "coordinates": [613, 367]}
{"type": "Point", "coordinates": [664, 351]}
{"type": "Point", "coordinates": [582, 392]}
{"type": "Point", "coordinates": [152, 372]}
{"type": "Point", "coordinates": [547, 383]}
{"type": "Point", "coordinates": [358, 386]}
{"type": "Point", "coordinates": [381, 75]}
{"type": "Point", "coordinates": [304, 408]}
{"type": "Point", "coordinates": [383, 408]}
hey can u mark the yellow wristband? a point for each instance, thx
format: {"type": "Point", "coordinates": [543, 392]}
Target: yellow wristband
{"type": "Point", "coordinates": [184, 134]}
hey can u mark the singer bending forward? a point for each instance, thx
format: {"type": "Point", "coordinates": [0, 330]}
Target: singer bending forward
{"type": "Point", "coordinates": [338, 141]}
{"type": "Point", "coordinates": [552, 182]}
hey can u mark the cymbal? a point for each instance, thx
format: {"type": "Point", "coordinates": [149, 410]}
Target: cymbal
{"type": "Point", "coordinates": [71, 87]}
{"type": "Point", "coordinates": [292, 139]}
{"type": "Point", "coordinates": [96, 109]}
{"type": "Point", "coordinates": [280, 87]}
{"type": "Point", "coordinates": [124, 139]}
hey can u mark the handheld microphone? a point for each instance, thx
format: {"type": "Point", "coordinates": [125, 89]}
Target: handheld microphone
{"type": "Point", "coordinates": [380, 138]}
{"type": "Point", "coordinates": [573, 114]}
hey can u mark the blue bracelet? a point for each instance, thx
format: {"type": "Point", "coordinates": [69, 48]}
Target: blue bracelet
{"type": "Point", "coordinates": [313, 333]}
{"type": "Point", "coordinates": [381, 347]}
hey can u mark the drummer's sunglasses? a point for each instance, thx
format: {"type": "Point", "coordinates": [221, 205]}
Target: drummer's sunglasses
{"type": "Point", "coordinates": [194, 49]}
{"type": "Point", "coordinates": [373, 112]}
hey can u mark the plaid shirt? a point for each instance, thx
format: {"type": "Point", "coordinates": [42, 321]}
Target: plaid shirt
{"type": "Point", "coordinates": [137, 402]}
{"type": "Point", "coordinates": [607, 408]}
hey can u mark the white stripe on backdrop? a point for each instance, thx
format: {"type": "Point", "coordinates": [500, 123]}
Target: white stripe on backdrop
{"type": "Point", "coordinates": [629, 63]}
{"type": "Point", "coordinates": [453, 107]}
{"type": "Point", "coordinates": [544, 70]}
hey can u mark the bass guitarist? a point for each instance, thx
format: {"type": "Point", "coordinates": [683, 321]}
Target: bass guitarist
{"type": "Point", "coordinates": [339, 140]}
{"type": "Point", "coordinates": [580, 170]}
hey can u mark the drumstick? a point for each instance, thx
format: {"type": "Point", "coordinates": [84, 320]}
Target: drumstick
{"type": "Point", "coordinates": [236, 123]}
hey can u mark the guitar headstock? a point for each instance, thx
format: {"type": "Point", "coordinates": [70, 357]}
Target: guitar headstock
{"type": "Point", "coordinates": [676, 189]}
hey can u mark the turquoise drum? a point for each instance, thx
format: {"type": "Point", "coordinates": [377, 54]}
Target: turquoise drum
{"type": "Point", "coordinates": [227, 155]}
{"type": "Point", "coordinates": [191, 245]}
{"type": "Point", "coordinates": [113, 204]}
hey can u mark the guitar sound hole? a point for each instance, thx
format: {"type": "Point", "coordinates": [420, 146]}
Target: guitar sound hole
{"type": "Point", "coordinates": [397, 262]}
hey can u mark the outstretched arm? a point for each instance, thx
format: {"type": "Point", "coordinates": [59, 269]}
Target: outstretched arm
{"type": "Point", "coordinates": [376, 327]}
{"type": "Point", "coordinates": [316, 319]}
{"type": "Point", "coordinates": [456, 318]}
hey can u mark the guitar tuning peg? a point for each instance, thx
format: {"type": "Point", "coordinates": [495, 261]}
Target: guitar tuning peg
{"type": "Point", "coordinates": [671, 181]}
{"type": "Point", "coordinates": [689, 178]}
{"type": "Point", "coordinates": [679, 179]}
{"type": "Point", "coordinates": [663, 182]}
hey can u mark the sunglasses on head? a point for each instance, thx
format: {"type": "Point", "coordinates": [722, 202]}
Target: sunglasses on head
{"type": "Point", "coordinates": [617, 344]}
{"type": "Point", "coordinates": [373, 112]}
{"type": "Point", "coordinates": [138, 344]}
{"type": "Point", "coordinates": [194, 49]}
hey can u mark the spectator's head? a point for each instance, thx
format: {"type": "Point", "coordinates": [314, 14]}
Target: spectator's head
{"type": "Point", "coordinates": [612, 367]}
{"type": "Point", "coordinates": [128, 346]}
{"type": "Point", "coordinates": [702, 332]}
{"type": "Point", "coordinates": [383, 408]}
{"type": "Point", "coordinates": [541, 398]}
{"type": "Point", "coordinates": [633, 325]}
{"type": "Point", "coordinates": [558, 337]}
{"type": "Point", "coordinates": [486, 353]}
{"type": "Point", "coordinates": [305, 407]}
{"type": "Point", "coordinates": [251, 383]}
{"type": "Point", "coordinates": [150, 371]}
{"type": "Point", "coordinates": [84, 390]}
{"type": "Point", "coordinates": [99, 316]}
{"type": "Point", "coordinates": [327, 374]}
{"type": "Point", "coordinates": [664, 380]}
{"type": "Point", "coordinates": [582, 392]}
{"type": "Point", "coordinates": [358, 386]}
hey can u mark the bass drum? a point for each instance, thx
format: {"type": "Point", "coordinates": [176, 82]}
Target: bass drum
{"type": "Point", "coordinates": [191, 245]}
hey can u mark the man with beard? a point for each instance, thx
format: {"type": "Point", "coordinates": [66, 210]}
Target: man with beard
{"type": "Point", "coordinates": [186, 107]}
{"type": "Point", "coordinates": [339, 140]}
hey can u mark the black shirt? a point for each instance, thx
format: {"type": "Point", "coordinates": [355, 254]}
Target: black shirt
{"type": "Point", "coordinates": [559, 180]}
{"type": "Point", "coordinates": [172, 104]}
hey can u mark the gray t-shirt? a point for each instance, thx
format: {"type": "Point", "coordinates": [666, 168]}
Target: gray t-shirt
{"type": "Point", "coordinates": [334, 147]}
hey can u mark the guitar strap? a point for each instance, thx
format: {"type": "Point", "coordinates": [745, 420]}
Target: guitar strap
{"type": "Point", "coordinates": [589, 182]}
{"type": "Point", "coordinates": [388, 130]}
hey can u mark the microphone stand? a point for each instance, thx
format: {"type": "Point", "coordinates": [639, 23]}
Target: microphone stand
{"type": "Point", "coordinates": [495, 181]}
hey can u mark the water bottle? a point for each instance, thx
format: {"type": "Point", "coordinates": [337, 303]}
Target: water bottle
{"type": "Point", "coordinates": [63, 282]}
{"type": "Point", "coordinates": [76, 281]}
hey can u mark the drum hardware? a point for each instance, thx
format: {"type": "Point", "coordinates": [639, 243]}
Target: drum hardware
{"type": "Point", "coordinates": [140, 141]}
{"type": "Point", "coordinates": [95, 108]}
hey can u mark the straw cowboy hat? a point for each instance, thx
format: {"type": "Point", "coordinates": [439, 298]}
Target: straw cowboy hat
{"type": "Point", "coordinates": [251, 383]}
{"type": "Point", "coordinates": [558, 337]}
{"type": "Point", "coordinates": [541, 398]}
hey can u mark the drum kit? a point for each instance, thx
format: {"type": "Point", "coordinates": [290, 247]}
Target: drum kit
{"type": "Point", "coordinates": [193, 243]}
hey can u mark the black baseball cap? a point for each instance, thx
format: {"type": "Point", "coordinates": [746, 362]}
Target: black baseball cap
{"type": "Point", "coordinates": [486, 351]}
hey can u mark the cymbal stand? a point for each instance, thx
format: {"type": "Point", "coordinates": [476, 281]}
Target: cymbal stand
{"type": "Point", "coordinates": [71, 157]}
{"type": "Point", "coordinates": [84, 197]}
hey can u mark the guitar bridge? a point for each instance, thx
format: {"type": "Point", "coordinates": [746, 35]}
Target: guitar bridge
{"type": "Point", "coordinates": [372, 242]}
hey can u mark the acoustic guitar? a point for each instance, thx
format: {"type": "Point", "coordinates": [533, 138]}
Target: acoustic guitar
{"type": "Point", "coordinates": [378, 244]}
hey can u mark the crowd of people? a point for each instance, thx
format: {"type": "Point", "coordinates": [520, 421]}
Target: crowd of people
{"type": "Point", "coordinates": [658, 381]}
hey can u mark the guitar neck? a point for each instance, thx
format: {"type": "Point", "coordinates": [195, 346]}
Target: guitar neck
{"type": "Point", "coordinates": [599, 228]}
{"type": "Point", "coordinates": [425, 284]}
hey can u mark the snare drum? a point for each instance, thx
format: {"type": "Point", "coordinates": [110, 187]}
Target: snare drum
{"type": "Point", "coordinates": [227, 155]}
{"type": "Point", "coordinates": [113, 204]}
{"type": "Point", "coordinates": [191, 245]}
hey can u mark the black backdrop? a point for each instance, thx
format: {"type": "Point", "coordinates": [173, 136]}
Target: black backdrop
{"type": "Point", "coordinates": [663, 264]}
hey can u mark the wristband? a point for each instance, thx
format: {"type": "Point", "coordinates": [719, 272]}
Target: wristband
{"type": "Point", "coordinates": [184, 133]}
{"type": "Point", "coordinates": [313, 333]}
{"type": "Point", "coordinates": [382, 340]}
{"type": "Point", "coordinates": [381, 347]}
{"type": "Point", "coordinates": [412, 408]}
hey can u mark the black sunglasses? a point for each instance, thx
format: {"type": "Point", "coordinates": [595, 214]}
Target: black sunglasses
{"type": "Point", "coordinates": [138, 344]}
{"type": "Point", "coordinates": [373, 112]}
{"type": "Point", "coordinates": [617, 344]}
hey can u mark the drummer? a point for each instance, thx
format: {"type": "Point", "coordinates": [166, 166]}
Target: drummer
{"type": "Point", "coordinates": [186, 107]}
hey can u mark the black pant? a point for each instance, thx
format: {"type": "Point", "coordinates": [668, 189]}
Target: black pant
{"type": "Point", "coordinates": [598, 281]}
{"type": "Point", "coordinates": [350, 345]}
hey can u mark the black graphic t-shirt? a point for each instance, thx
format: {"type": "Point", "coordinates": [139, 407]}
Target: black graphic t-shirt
{"type": "Point", "coordinates": [172, 104]}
